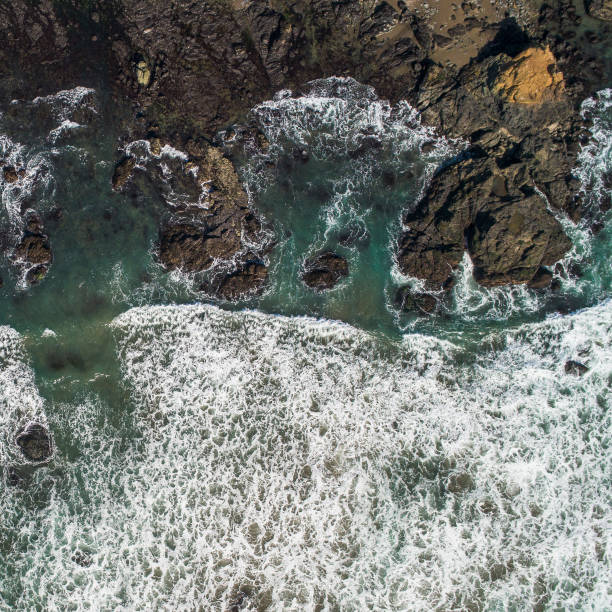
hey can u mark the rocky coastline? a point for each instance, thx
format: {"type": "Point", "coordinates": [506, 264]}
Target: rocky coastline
{"type": "Point", "coordinates": [506, 78]}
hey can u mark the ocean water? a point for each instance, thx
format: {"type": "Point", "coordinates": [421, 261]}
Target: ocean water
{"type": "Point", "coordinates": [296, 451]}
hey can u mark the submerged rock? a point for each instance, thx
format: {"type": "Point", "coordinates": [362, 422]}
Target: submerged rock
{"type": "Point", "coordinates": [410, 301]}
{"type": "Point", "coordinates": [324, 271]}
{"type": "Point", "coordinates": [575, 368]}
{"type": "Point", "coordinates": [35, 442]}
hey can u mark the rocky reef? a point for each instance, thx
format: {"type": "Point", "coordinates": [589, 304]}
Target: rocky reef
{"type": "Point", "coordinates": [507, 78]}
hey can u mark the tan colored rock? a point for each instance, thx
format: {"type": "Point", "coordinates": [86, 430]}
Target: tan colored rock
{"type": "Point", "coordinates": [531, 78]}
{"type": "Point", "coordinates": [143, 73]}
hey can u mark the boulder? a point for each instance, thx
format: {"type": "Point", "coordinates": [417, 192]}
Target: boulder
{"type": "Point", "coordinates": [324, 271]}
{"type": "Point", "coordinates": [34, 253]}
{"type": "Point", "coordinates": [35, 442]}
{"type": "Point", "coordinates": [575, 368]}
{"type": "Point", "coordinates": [541, 280]}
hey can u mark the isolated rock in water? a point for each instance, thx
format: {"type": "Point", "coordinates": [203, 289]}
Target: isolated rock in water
{"type": "Point", "coordinates": [575, 368]}
{"type": "Point", "coordinates": [531, 78]}
{"type": "Point", "coordinates": [248, 279]}
{"type": "Point", "coordinates": [35, 442]}
{"type": "Point", "coordinates": [10, 174]}
{"type": "Point", "coordinates": [218, 227]}
{"type": "Point", "coordinates": [600, 9]}
{"type": "Point", "coordinates": [409, 301]}
{"type": "Point", "coordinates": [123, 172]}
{"type": "Point", "coordinates": [324, 271]}
{"type": "Point", "coordinates": [34, 252]}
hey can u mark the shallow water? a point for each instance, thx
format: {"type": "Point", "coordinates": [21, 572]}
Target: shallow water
{"type": "Point", "coordinates": [220, 458]}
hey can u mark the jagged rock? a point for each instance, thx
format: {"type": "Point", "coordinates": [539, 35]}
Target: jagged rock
{"type": "Point", "coordinates": [34, 252]}
{"type": "Point", "coordinates": [123, 172]}
{"type": "Point", "coordinates": [417, 302]}
{"type": "Point", "coordinates": [198, 236]}
{"type": "Point", "coordinates": [324, 271]}
{"type": "Point", "coordinates": [476, 206]}
{"type": "Point", "coordinates": [575, 368]}
{"type": "Point", "coordinates": [194, 248]}
{"type": "Point", "coordinates": [600, 9]}
{"type": "Point", "coordinates": [35, 442]}
{"type": "Point", "coordinates": [249, 279]}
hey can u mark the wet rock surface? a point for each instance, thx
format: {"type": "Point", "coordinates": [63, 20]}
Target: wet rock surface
{"type": "Point", "coordinates": [324, 271]}
{"type": "Point", "coordinates": [248, 279]}
{"type": "Point", "coordinates": [35, 443]}
{"type": "Point", "coordinates": [417, 302]}
{"type": "Point", "coordinates": [507, 78]}
{"type": "Point", "coordinates": [34, 254]}
{"type": "Point", "coordinates": [575, 368]}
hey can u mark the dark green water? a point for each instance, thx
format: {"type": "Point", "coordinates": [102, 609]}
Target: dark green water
{"type": "Point", "coordinates": [156, 413]}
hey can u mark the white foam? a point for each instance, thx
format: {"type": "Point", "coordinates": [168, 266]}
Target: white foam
{"type": "Point", "coordinates": [307, 463]}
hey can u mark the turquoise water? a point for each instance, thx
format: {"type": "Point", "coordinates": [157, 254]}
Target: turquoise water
{"type": "Point", "coordinates": [296, 451]}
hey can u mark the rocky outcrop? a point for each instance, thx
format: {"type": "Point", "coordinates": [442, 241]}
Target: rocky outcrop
{"type": "Point", "coordinates": [600, 9]}
{"type": "Point", "coordinates": [416, 302]}
{"type": "Point", "coordinates": [506, 77]}
{"type": "Point", "coordinates": [35, 442]}
{"type": "Point", "coordinates": [575, 368]}
{"type": "Point", "coordinates": [324, 271]}
{"type": "Point", "coordinates": [33, 253]}
{"type": "Point", "coordinates": [530, 78]}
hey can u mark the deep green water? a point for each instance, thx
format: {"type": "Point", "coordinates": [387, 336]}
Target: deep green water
{"type": "Point", "coordinates": [207, 456]}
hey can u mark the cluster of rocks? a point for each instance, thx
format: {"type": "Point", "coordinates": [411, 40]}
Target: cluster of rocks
{"type": "Point", "coordinates": [212, 227]}
{"type": "Point", "coordinates": [507, 78]}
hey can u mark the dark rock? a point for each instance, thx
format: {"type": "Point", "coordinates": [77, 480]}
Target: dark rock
{"type": "Point", "coordinates": [575, 368]}
{"type": "Point", "coordinates": [474, 204]}
{"type": "Point", "coordinates": [324, 271]}
{"type": "Point", "coordinates": [34, 252]}
{"type": "Point", "coordinates": [193, 248]}
{"type": "Point", "coordinates": [123, 172]}
{"type": "Point", "coordinates": [82, 558]}
{"type": "Point", "coordinates": [198, 236]}
{"type": "Point", "coordinates": [35, 442]}
{"type": "Point", "coordinates": [541, 280]}
{"type": "Point", "coordinates": [600, 9]}
{"type": "Point", "coordinates": [249, 279]}
{"type": "Point", "coordinates": [10, 174]}
{"type": "Point", "coordinates": [410, 301]}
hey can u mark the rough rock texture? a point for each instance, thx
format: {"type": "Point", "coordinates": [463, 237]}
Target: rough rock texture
{"type": "Point", "coordinates": [249, 278]}
{"type": "Point", "coordinates": [35, 443]}
{"type": "Point", "coordinates": [34, 254]}
{"type": "Point", "coordinates": [600, 9]}
{"type": "Point", "coordinates": [507, 77]}
{"type": "Point", "coordinates": [530, 78]}
{"type": "Point", "coordinates": [215, 230]}
{"type": "Point", "coordinates": [325, 271]}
